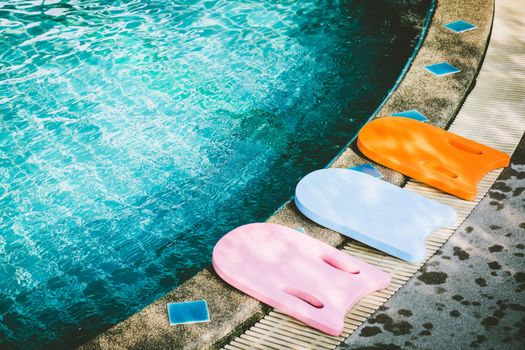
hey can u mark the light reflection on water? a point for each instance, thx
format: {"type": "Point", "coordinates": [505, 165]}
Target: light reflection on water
{"type": "Point", "coordinates": [134, 134]}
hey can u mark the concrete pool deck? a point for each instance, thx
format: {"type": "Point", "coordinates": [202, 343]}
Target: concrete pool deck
{"type": "Point", "coordinates": [232, 312]}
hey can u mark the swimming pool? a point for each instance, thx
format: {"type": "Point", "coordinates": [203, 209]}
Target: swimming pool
{"type": "Point", "coordinates": [134, 134]}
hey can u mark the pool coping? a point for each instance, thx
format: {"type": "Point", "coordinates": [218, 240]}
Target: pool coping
{"type": "Point", "coordinates": [439, 99]}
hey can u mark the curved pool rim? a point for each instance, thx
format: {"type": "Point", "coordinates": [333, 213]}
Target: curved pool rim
{"type": "Point", "coordinates": [399, 78]}
{"type": "Point", "coordinates": [207, 277]}
{"type": "Point", "coordinates": [138, 330]}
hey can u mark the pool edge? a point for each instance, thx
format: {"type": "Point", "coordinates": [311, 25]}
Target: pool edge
{"type": "Point", "coordinates": [438, 98]}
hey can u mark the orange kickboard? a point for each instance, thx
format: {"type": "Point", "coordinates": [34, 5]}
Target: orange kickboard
{"type": "Point", "coordinates": [429, 154]}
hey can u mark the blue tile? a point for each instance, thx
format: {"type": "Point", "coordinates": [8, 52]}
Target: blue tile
{"type": "Point", "coordinates": [188, 312]}
{"type": "Point", "coordinates": [459, 26]}
{"type": "Point", "coordinates": [443, 68]}
{"type": "Point", "coordinates": [412, 114]}
{"type": "Point", "coordinates": [300, 229]}
{"type": "Point", "coordinates": [368, 169]}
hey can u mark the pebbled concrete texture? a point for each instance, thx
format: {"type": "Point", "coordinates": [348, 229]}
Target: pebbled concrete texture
{"type": "Point", "coordinates": [471, 294]}
{"type": "Point", "coordinates": [233, 312]}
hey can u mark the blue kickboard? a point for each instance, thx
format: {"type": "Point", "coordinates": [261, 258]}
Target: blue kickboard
{"type": "Point", "coordinates": [368, 169]}
{"type": "Point", "coordinates": [188, 312]}
{"type": "Point", "coordinates": [459, 26]}
{"type": "Point", "coordinates": [412, 114]}
{"type": "Point", "coordinates": [372, 211]}
{"type": "Point", "coordinates": [443, 68]}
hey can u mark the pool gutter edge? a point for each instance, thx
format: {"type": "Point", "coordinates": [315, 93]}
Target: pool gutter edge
{"type": "Point", "coordinates": [438, 98]}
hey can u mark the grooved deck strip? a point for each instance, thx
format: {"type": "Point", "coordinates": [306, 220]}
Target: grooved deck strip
{"type": "Point", "coordinates": [493, 114]}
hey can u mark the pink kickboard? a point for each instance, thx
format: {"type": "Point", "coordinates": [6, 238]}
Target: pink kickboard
{"type": "Point", "coordinates": [295, 273]}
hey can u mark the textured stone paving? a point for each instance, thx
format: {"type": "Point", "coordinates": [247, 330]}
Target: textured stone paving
{"type": "Point", "coordinates": [472, 293]}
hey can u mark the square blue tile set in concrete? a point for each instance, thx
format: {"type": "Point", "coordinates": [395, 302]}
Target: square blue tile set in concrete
{"type": "Point", "coordinates": [368, 169]}
{"type": "Point", "coordinates": [443, 68]}
{"type": "Point", "coordinates": [459, 26]}
{"type": "Point", "coordinates": [412, 114]}
{"type": "Point", "coordinates": [188, 312]}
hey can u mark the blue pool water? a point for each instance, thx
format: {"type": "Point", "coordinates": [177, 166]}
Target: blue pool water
{"type": "Point", "coordinates": [134, 134]}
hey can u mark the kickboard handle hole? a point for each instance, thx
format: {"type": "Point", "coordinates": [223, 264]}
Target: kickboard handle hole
{"type": "Point", "coordinates": [336, 264]}
{"type": "Point", "coordinates": [464, 147]}
{"type": "Point", "coordinates": [441, 169]}
{"type": "Point", "coordinates": [304, 296]}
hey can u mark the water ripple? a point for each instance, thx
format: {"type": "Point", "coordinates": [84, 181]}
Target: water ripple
{"type": "Point", "coordinates": [133, 134]}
